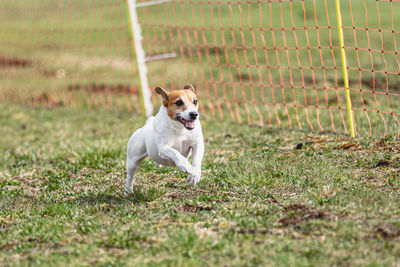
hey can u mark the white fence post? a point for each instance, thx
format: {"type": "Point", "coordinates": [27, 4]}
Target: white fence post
{"type": "Point", "coordinates": [145, 93]}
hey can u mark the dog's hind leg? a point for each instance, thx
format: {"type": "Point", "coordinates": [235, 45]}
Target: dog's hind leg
{"type": "Point", "coordinates": [136, 152]}
{"type": "Point", "coordinates": [132, 165]}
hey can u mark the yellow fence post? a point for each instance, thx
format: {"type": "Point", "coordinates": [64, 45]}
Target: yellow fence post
{"type": "Point", "coordinates": [138, 52]}
{"type": "Point", "coordinates": [344, 67]}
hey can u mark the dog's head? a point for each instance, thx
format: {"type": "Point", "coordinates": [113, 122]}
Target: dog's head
{"type": "Point", "coordinates": [182, 105]}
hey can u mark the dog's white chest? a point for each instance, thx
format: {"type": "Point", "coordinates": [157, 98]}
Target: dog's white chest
{"type": "Point", "coordinates": [183, 146]}
{"type": "Point", "coordinates": [180, 145]}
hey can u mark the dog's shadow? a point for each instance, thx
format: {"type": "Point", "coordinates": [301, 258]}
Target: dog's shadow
{"type": "Point", "coordinates": [95, 198]}
{"type": "Point", "coordinates": [138, 195]}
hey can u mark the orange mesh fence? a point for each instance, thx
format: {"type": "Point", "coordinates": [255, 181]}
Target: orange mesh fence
{"type": "Point", "coordinates": [57, 53]}
{"type": "Point", "coordinates": [271, 63]}
{"type": "Point", "coordinates": [277, 63]}
{"type": "Point", "coordinates": [372, 33]}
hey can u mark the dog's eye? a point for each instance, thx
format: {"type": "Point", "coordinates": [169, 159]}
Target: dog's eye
{"type": "Point", "coordinates": [195, 101]}
{"type": "Point", "coordinates": [179, 103]}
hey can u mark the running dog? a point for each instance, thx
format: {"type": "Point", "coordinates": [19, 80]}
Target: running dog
{"type": "Point", "coordinates": [170, 137]}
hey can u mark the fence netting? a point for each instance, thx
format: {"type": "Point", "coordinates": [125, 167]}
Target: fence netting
{"type": "Point", "coordinates": [269, 63]}
{"type": "Point", "coordinates": [57, 53]}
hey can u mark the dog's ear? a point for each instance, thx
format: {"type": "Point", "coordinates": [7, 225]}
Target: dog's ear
{"type": "Point", "coordinates": [189, 87]}
{"type": "Point", "coordinates": [164, 95]}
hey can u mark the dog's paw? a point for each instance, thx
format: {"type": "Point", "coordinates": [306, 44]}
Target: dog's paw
{"type": "Point", "coordinates": [194, 178]}
{"type": "Point", "coordinates": [158, 165]}
{"type": "Point", "coordinates": [185, 167]}
{"type": "Point", "coordinates": [127, 192]}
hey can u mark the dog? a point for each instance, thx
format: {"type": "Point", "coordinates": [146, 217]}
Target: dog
{"type": "Point", "coordinates": [169, 137]}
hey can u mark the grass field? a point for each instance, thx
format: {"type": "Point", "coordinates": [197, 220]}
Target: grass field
{"type": "Point", "coordinates": [267, 197]}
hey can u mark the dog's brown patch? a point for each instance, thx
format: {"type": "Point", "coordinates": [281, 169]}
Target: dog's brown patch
{"type": "Point", "coordinates": [170, 100]}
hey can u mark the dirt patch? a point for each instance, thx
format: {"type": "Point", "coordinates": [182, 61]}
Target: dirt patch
{"type": "Point", "coordinates": [181, 195]}
{"type": "Point", "coordinates": [212, 50]}
{"type": "Point", "coordinates": [15, 62]}
{"type": "Point", "coordinates": [312, 141]}
{"type": "Point", "coordinates": [386, 146]}
{"type": "Point", "coordinates": [252, 231]}
{"type": "Point", "coordinates": [372, 180]}
{"type": "Point", "coordinates": [385, 233]}
{"type": "Point", "coordinates": [45, 99]}
{"type": "Point", "coordinates": [115, 89]}
{"type": "Point", "coordinates": [242, 76]}
{"type": "Point", "coordinates": [348, 146]}
{"type": "Point", "coordinates": [379, 84]}
{"type": "Point", "coordinates": [212, 195]}
{"type": "Point", "coordinates": [194, 208]}
{"type": "Point", "coordinates": [383, 163]}
{"type": "Point", "coordinates": [312, 80]}
{"type": "Point", "coordinates": [8, 246]}
{"type": "Point", "coordinates": [297, 213]}
{"type": "Point", "coordinates": [315, 139]}
{"type": "Point", "coordinates": [91, 89]}
{"type": "Point", "coordinates": [92, 62]}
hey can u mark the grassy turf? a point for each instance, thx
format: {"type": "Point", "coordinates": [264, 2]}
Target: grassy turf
{"type": "Point", "coordinates": [267, 197]}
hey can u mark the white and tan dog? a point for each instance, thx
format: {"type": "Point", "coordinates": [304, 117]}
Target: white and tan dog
{"type": "Point", "coordinates": [169, 137]}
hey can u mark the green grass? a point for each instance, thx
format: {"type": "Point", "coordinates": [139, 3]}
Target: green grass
{"type": "Point", "coordinates": [267, 197]}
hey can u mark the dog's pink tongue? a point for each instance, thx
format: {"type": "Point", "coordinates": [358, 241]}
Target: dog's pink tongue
{"type": "Point", "coordinates": [190, 124]}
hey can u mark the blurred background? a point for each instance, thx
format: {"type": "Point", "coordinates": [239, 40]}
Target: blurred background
{"type": "Point", "coordinates": [269, 63]}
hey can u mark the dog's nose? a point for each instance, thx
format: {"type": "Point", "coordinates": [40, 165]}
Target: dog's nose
{"type": "Point", "coordinates": [193, 115]}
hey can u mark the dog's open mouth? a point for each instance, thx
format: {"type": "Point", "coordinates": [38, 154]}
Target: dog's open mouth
{"type": "Point", "coordinates": [189, 124]}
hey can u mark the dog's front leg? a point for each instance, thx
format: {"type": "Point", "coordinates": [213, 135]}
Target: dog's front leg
{"type": "Point", "coordinates": [198, 153]}
{"type": "Point", "coordinates": [180, 161]}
